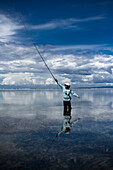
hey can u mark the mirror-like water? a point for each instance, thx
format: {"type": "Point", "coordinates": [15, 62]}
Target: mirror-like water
{"type": "Point", "coordinates": [30, 120]}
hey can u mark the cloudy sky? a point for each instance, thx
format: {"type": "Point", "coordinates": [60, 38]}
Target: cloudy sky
{"type": "Point", "coordinates": [75, 37]}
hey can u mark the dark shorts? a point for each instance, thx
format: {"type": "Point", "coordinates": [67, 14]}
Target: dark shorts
{"type": "Point", "coordinates": [67, 108]}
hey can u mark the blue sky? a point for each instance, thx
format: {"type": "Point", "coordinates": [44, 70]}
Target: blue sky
{"type": "Point", "coordinates": [74, 37]}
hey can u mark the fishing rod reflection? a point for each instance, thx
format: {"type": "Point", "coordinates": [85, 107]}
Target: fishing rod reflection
{"type": "Point", "coordinates": [67, 125]}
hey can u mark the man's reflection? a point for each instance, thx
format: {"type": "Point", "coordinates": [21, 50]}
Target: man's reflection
{"type": "Point", "coordinates": [67, 124]}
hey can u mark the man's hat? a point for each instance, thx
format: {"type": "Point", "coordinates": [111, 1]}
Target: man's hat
{"type": "Point", "coordinates": [67, 84]}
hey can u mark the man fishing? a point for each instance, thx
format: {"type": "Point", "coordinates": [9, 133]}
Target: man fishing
{"type": "Point", "coordinates": [67, 96]}
{"type": "Point", "coordinates": [67, 124]}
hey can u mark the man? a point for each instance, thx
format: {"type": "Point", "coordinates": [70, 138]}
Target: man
{"type": "Point", "coordinates": [67, 97]}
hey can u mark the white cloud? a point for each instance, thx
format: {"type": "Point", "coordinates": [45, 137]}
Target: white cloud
{"type": "Point", "coordinates": [78, 67]}
{"type": "Point", "coordinates": [46, 26]}
{"type": "Point", "coordinates": [23, 62]}
{"type": "Point", "coordinates": [8, 28]}
{"type": "Point", "coordinates": [66, 80]}
{"type": "Point", "coordinates": [75, 47]}
{"type": "Point", "coordinates": [19, 79]}
{"type": "Point", "coordinates": [64, 23]}
{"type": "Point", "coordinates": [50, 81]}
{"type": "Point", "coordinates": [61, 61]}
{"type": "Point", "coordinates": [20, 64]}
{"type": "Point", "coordinates": [26, 67]}
{"type": "Point", "coordinates": [18, 58]}
{"type": "Point", "coordinates": [87, 19]}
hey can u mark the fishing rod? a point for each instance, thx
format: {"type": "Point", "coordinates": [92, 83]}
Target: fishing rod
{"type": "Point", "coordinates": [56, 136]}
{"type": "Point", "coordinates": [46, 152]}
{"type": "Point", "coordinates": [26, 30]}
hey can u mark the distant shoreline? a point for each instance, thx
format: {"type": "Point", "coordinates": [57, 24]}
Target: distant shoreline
{"type": "Point", "coordinates": [36, 89]}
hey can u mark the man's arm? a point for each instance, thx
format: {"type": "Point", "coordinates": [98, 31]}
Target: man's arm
{"type": "Point", "coordinates": [60, 131]}
{"type": "Point", "coordinates": [59, 83]}
{"type": "Point", "coordinates": [75, 121]}
{"type": "Point", "coordinates": [74, 94]}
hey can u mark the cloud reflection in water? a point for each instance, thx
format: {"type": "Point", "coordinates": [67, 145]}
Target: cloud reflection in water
{"type": "Point", "coordinates": [29, 120]}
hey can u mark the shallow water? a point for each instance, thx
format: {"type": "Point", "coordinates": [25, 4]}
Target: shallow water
{"type": "Point", "coordinates": [30, 120]}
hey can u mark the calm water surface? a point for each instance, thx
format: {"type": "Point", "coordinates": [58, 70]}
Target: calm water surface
{"type": "Point", "coordinates": [30, 120]}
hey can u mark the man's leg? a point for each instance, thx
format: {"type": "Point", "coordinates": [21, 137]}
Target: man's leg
{"type": "Point", "coordinates": [70, 105]}
{"type": "Point", "coordinates": [69, 108]}
{"type": "Point", "coordinates": [65, 108]}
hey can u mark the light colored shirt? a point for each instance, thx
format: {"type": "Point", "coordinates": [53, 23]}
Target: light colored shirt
{"type": "Point", "coordinates": [67, 92]}
{"type": "Point", "coordinates": [67, 124]}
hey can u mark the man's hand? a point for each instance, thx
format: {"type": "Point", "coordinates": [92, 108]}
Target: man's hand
{"type": "Point", "coordinates": [56, 136]}
{"type": "Point", "coordinates": [79, 118]}
{"type": "Point", "coordinates": [56, 80]}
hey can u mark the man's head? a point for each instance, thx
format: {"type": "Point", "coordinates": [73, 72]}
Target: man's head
{"type": "Point", "coordinates": [67, 130]}
{"type": "Point", "coordinates": [67, 85]}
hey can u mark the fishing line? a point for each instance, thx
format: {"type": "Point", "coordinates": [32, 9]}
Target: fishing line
{"type": "Point", "coordinates": [46, 152]}
{"type": "Point", "coordinates": [26, 30]}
